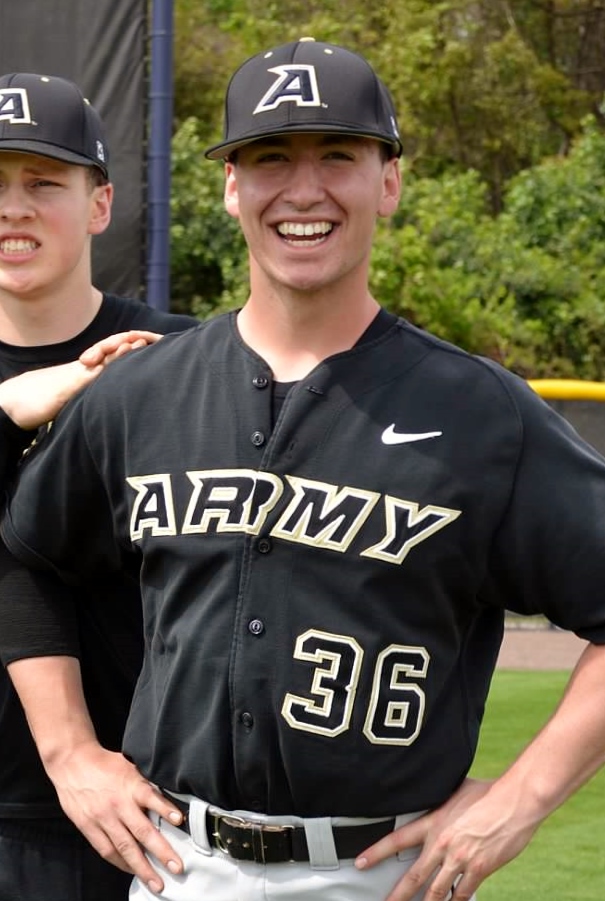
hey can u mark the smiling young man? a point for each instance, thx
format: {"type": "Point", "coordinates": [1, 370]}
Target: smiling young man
{"type": "Point", "coordinates": [329, 527]}
{"type": "Point", "coordinates": [55, 196]}
{"type": "Point", "coordinates": [307, 205]}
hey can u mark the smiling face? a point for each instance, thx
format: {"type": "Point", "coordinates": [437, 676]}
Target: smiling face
{"type": "Point", "coordinates": [307, 205]}
{"type": "Point", "coordinates": [48, 210]}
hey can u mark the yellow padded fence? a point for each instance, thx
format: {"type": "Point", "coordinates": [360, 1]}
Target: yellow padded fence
{"type": "Point", "coordinates": [568, 389]}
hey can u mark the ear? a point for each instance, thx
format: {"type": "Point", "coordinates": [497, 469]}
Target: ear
{"type": "Point", "coordinates": [100, 209]}
{"type": "Point", "coordinates": [231, 199]}
{"type": "Point", "coordinates": [391, 188]}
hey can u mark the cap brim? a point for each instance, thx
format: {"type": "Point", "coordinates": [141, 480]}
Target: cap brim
{"type": "Point", "coordinates": [39, 148]}
{"type": "Point", "coordinates": [224, 149]}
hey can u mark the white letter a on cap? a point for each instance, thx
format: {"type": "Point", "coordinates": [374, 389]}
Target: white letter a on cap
{"type": "Point", "coordinates": [296, 84]}
{"type": "Point", "coordinates": [14, 105]}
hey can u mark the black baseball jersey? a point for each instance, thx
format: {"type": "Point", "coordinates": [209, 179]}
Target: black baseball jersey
{"type": "Point", "coordinates": [323, 594]}
{"type": "Point", "coordinates": [101, 623]}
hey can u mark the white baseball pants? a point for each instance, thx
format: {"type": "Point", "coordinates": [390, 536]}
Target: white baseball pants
{"type": "Point", "coordinates": [211, 875]}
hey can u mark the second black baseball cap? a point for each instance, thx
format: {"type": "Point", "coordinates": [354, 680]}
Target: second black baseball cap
{"type": "Point", "coordinates": [49, 116]}
{"type": "Point", "coordinates": [306, 86]}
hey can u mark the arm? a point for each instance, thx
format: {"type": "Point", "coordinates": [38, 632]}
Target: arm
{"type": "Point", "coordinates": [486, 824]}
{"type": "Point", "coordinates": [39, 643]}
{"type": "Point", "coordinates": [35, 397]}
{"type": "Point", "coordinates": [99, 790]}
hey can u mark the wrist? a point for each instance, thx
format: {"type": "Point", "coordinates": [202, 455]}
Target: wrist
{"type": "Point", "coordinates": [70, 745]}
{"type": "Point", "coordinates": [529, 800]}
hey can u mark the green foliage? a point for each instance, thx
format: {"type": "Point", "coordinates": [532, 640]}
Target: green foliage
{"type": "Point", "coordinates": [477, 85]}
{"type": "Point", "coordinates": [524, 287]}
{"type": "Point", "coordinates": [208, 255]}
{"type": "Point", "coordinates": [438, 266]}
{"type": "Point", "coordinates": [562, 201]}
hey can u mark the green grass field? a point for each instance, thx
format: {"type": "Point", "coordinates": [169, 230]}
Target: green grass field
{"type": "Point", "coordinates": [566, 859]}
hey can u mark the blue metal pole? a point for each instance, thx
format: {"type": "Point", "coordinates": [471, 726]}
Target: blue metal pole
{"type": "Point", "coordinates": [158, 155]}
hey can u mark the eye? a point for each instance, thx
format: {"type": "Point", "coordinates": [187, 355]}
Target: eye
{"type": "Point", "coordinates": [271, 156]}
{"type": "Point", "coordinates": [45, 183]}
{"type": "Point", "coordinates": [339, 155]}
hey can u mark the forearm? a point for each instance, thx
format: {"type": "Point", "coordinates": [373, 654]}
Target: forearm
{"type": "Point", "coordinates": [567, 751]}
{"type": "Point", "coordinates": [100, 791]}
{"type": "Point", "coordinates": [50, 690]}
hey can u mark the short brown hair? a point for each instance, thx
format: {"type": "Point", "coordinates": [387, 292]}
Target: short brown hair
{"type": "Point", "coordinates": [96, 178]}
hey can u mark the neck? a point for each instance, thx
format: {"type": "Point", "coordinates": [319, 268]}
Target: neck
{"type": "Point", "coordinates": [49, 319]}
{"type": "Point", "coordinates": [294, 334]}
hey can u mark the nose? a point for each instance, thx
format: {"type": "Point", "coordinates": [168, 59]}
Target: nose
{"type": "Point", "coordinates": [305, 185]}
{"type": "Point", "coordinates": [14, 204]}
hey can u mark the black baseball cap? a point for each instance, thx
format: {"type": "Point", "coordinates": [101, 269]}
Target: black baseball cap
{"type": "Point", "coordinates": [49, 116]}
{"type": "Point", "coordinates": [306, 87]}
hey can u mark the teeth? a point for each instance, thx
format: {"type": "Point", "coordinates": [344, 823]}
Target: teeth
{"type": "Point", "coordinates": [304, 229]}
{"type": "Point", "coordinates": [17, 245]}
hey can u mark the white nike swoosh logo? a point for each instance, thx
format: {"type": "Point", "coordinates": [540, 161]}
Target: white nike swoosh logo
{"type": "Point", "coordinates": [390, 436]}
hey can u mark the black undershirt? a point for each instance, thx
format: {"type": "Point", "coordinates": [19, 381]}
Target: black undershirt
{"type": "Point", "coordinates": [381, 323]}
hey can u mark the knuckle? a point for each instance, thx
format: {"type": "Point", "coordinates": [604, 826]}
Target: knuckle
{"type": "Point", "coordinates": [127, 849]}
{"type": "Point", "coordinates": [415, 878]}
{"type": "Point", "coordinates": [142, 792]}
{"type": "Point", "coordinates": [435, 894]}
{"type": "Point", "coordinates": [477, 869]}
{"type": "Point", "coordinates": [106, 851]}
{"type": "Point", "coordinates": [463, 895]}
{"type": "Point", "coordinates": [145, 833]}
{"type": "Point", "coordinates": [444, 841]}
{"type": "Point", "coordinates": [459, 861]}
{"type": "Point", "coordinates": [103, 809]}
{"type": "Point", "coordinates": [439, 894]}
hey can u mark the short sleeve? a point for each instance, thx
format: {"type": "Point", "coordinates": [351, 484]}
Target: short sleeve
{"type": "Point", "coordinates": [548, 555]}
{"type": "Point", "coordinates": [37, 613]}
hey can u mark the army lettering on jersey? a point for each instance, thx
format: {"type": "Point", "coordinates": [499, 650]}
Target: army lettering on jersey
{"type": "Point", "coordinates": [317, 514]}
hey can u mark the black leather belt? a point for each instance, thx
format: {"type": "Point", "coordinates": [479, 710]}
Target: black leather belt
{"type": "Point", "coordinates": [244, 840]}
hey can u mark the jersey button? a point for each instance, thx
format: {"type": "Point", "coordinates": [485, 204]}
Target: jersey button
{"type": "Point", "coordinates": [256, 627]}
{"type": "Point", "coordinates": [260, 381]}
{"type": "Point", "coordinates": [247, 720]}
{"type": "Point", "coordinates": [257, 439]}
{"type": "Point", "coordinates": [264, 545]}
